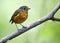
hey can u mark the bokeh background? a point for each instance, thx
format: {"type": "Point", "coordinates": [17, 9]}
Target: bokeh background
{"type": "Point", "coordinates": [48, 32]}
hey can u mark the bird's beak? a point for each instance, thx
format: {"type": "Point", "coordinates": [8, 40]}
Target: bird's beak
{"type": "Point", "coordinates": [29, 8]}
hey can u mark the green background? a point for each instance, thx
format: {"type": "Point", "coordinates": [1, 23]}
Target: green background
{"type": "Point", "coordinates": [48, 32]}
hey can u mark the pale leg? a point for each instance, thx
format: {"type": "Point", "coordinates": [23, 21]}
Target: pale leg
{"type": "Point", "coordinates": [23, 26]}
{"type": "Point", "coordinates": [16, 26]}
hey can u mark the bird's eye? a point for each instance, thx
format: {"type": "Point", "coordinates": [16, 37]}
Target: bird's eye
{"type": "Point", "coordinates": [24, 8]}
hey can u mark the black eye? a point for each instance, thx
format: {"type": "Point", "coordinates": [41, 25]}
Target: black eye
{"type": "Point", "coordinates": [24, 8]}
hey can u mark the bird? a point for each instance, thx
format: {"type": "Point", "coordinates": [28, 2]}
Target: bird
{"type": "Point", "coordinates": [20, 15]}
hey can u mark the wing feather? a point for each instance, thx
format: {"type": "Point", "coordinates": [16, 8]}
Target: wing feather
{"type": "Point", "coordinates": [15, 13]}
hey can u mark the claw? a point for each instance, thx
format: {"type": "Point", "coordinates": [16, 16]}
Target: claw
{"type": "Point", "coordinates": [23, 26]}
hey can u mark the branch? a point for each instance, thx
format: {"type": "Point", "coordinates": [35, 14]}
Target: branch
{"type": "Point", "coordinates": [49, 16]}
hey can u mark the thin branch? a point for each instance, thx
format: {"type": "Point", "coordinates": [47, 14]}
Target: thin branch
{"type": "Point", "coordinates": [54, 11]}
{"type": "Point", "coordinates": [49, 16]}
{"type": "Point", "coordinates": [56, 19]}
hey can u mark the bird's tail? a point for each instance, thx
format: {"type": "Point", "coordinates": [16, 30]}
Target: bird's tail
{"type": "Point", "coordinates": [11, 21]}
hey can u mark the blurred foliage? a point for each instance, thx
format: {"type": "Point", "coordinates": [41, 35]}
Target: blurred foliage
{"type": "Point", "coordinates": [48, 32]}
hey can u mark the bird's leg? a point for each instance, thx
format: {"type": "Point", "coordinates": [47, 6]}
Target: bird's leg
{"type": "Point", "coordinates": [23, 26]}
{"type": "Point", "coordinates": [16, 26]}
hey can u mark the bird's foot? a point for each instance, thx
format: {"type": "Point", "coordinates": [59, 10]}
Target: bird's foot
{"type": "Point", "coordinates": [23, 26]}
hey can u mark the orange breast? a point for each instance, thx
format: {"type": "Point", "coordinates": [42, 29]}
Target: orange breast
{"type": "Point", "coordinates": [21, 17]}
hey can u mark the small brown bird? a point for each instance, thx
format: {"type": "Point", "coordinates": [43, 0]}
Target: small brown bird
{"type": "Point", "coordinates": [20, 15]}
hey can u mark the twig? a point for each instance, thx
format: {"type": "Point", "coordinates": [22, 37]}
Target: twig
{"type": "Point", "coordinates": [49, 16]}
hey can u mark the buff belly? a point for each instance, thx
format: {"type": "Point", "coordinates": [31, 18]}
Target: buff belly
{"type": "Point", "coordinates": [20, 18]}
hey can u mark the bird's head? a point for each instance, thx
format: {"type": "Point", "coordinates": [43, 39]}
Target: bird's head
{"type": "Point", "coordinates": [24, 8]}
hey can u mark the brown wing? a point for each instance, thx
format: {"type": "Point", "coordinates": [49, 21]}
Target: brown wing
{"type": "Point", "coordinates": [15, 13]}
